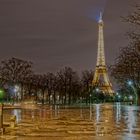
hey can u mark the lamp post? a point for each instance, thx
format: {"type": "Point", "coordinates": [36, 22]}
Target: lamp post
{"type": "Point", "coordinates": [51, 98]}
{"type": "Point", "coordinates": [58, 99]}
{"type": "Point", "coordinates": [97, 91]}
{"type": "Point", "coordinates": [131, 99]}
{"type": "Point", "coordinates": [80, 101]}
{"type": "Point", "coordinates": [119, 96]}
{"type": "Point", "coordinates": [1, 110]}
{"type": "Point", "coordinates": [90, 99]}
{"type": "Point", "coordinates": [90, 109]}
{"type": "Point", "coordinates": [130, 83]}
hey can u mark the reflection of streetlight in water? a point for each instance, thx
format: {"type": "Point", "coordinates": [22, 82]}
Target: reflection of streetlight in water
{"type": "Point", "coordinates": [32, 115]}
{"type": "Point", "coordinates": [118, 112]}
{"type": "Point", "coordinates": [17, 113]}
{"type": "Point", "coordinates": [99, 131]}
{"type": "Point", "coordinates": [81, 109]}
{"type": "Point", "coordinates": [56, 110]}
{"type": "Point", "coordinates": [42, 113]}
{"type": "Point", "coordinates": [97, 112]}
{"type": "Point", "coordinates": [131, 121]}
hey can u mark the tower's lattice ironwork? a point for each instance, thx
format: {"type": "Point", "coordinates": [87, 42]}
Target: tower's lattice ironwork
{"type": "Point", "coordinates": [101, 79]}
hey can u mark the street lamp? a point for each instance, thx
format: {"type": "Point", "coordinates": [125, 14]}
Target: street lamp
{"type": "Point", "coordinates": [90, 98]}
{"type": "Point", "coordinates": [90, 108]}
{"type": "Point", "coordinates": [119, 98]}
{"type": "Point", "coordinates": [130, 83]}
{"type": "Point", "coordinates": [131, 97]}
{"type": "Point", "coordinates": [17, 91]}
{"type": "Point", "coordinates": [97, 89]}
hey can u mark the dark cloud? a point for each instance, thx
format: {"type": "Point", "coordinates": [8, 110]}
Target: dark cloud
{"type": "Point", "coordinates": [55, 33]}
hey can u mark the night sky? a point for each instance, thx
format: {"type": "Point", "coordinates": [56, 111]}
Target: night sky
{"type": "Point", "coordinates": [57, 33]}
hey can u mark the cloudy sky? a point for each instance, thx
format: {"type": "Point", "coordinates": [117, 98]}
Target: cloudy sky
{"type": "Point", "coordinates": [57, 33]}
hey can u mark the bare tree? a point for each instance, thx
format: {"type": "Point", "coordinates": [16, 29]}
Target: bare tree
{"type": "Point", "coordinates": [67, 79]}
{"type": "Point", "coordinates": [86, 81]}
{"type": "Point", "coordinates": [44, 82]}
{"type": "Point", "coordinates": [127, 64]}
{"type": "Point", "coordinates": [134, 20]}
{"type": "Point", "coordinates": [13, 71]}
{"type": "Point", "coordinates": [51, 79]}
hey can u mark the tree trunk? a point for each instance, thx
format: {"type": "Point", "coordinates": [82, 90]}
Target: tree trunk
{"type": "Point", "coordinates": [43, 95]}
{"type": "Point", "coordinates": [69, 98]}
{"type": "Point", "coordinates": [54, 98]}
{"type": "Point", "coordinates": [36, 95]}
{"type": "Point", "coordinates": [22, 95]}
{"type": "Point", "coordinates": [65, 100]}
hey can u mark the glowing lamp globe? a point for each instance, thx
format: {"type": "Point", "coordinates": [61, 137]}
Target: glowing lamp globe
{"type": "Point", "coordinates": [130, 83]}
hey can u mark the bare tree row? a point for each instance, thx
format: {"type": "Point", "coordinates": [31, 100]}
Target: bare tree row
{"type": "Point", "coordinates": [21, 83]}
{"type": "Point", "coordinates": [126, 70]}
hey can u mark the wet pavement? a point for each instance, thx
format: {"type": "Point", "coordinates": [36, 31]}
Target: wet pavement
{"type": "Point", "coordinates": [98, 122]}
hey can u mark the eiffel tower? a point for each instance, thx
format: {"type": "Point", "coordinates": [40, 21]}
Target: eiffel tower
{"type": "Point", "coordinates": [101, 79]}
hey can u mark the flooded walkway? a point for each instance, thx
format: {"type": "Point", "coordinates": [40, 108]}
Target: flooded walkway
{"type": "Point", "coordinates": [98, 122]}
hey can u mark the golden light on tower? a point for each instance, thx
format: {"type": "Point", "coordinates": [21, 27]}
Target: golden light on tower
{"type": "Point", "coordinates": [101, 78]}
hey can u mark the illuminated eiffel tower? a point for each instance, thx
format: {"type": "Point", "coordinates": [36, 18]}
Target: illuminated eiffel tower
{"type": "Point", "coordinates": [101, 79]}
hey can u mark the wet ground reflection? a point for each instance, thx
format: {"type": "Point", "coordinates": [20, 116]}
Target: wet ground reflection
{"type": "Point", "coordinates": [115, 122]}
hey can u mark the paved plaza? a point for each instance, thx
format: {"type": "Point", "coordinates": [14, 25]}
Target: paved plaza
{"type": "Point", "coordinates": [98, 122]}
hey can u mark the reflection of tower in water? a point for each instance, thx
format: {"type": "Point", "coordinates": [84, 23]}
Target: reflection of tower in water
{"type": "Point", "coordinates": [104, 119]}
